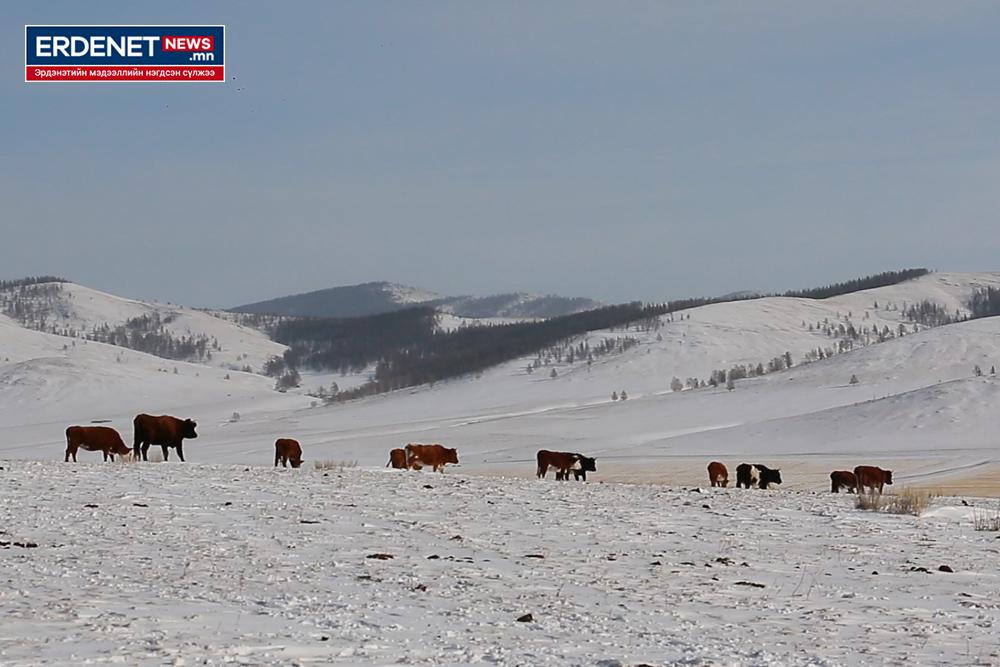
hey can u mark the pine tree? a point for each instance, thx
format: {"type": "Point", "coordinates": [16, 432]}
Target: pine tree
{"type": "Point", "coordinates": [854, 379]}
{"type": "Point", "coordinates": [730, 385]}
{"type": "Point", "coordinates": [623, 396]}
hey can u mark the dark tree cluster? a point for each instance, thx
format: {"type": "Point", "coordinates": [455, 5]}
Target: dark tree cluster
{"type": "Point", "coordinates": [473, 349]}
{"type": "Point", "coordinates": [353, 343]}
{"type": "Point", "coordinates": [30, 280]}
{"type": "Point", "coordinates": [883, 279]}
{"type": "Point", "coordinates": [148, 333]}
{"type": "Point", "coordinates": [31, 300]}
{"type": "Point", "coordinates": [985, 302]}
{"type": "Point", "coordinates": [930, 314]}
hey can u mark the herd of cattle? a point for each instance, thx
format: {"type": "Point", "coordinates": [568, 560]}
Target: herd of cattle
{"type": "Point", "coordinates": [755, 474]}
{"type": "Point", "coordinates": [169, 433]}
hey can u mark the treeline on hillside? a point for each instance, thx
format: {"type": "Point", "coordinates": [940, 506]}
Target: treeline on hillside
{"type": "Point", "coordinates": [30, 280]}
{"type": "Point", "coordinates": [473, 349]}
{"type": "Point", "coordinates": [31, 301]}
{"type": "Point", "coordinates": [148, 333]}
{"type": "Point", "coordinates": [985, 302]}
{"type": "Point", "coordinates": [352, 343]}
{"type": "Point", "coordinates": [883, 279]}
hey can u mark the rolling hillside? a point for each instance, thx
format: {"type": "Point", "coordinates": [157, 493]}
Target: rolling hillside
{"type": "Point", "coordinates": [916, 404]}
{"type": "Point", "coordinates": [381, 297]}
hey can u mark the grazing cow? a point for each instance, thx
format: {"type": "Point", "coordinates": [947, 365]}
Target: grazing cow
{"type": "Point", "coordinates": [564, 462]}
{"type": "Point", "coordinates": [843, 479]}
{"type": "Point", "coordinates": [95, 439]}
{"type": "Point", "coordinates": [872, 477]}
{"type": "Point", "coordinates": [718, 474]}
{"type": "Point", "coordinates": [748, 475]}
{"type": "Point", "coordinates": [287, 451]}
{"type": "Point", "coordinates": [398, 459]}
{"type": "Point", "coordinates": [431, 455]}
{"type": "Point", "coordinates": [165, 431]}
{"type": "Point", "coordinates": [584, 464]}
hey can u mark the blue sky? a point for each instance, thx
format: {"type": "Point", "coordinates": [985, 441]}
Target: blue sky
{"type": "Point", "coordinates": [637, 151]}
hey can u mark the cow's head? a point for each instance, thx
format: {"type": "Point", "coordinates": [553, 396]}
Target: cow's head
{"type": "Point", "coordinates": [187, 429]}
{"type": "Point", "coordinates": [451, 455]}
{"type": "Point", "coordinates": [772, 476]}
{"type": "Point", "coordinates": [588, 463]}
{"type": "Point", "coordinates": [296, 463]}
{"type": "Point", "coordinates": [887, 476]}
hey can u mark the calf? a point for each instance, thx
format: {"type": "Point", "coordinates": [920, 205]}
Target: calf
{"type": "Point", "coordinates": [584, 464]}
{"type": "Point", "coordinates": [718, 474]}
{"type": "Point", "coordinates": [287, 451]}
{"type": "Point", "coordinates": [843, 479]}
{"type": "Point", "coordinates": [398, 459]}
{"type": "Point", "coordinates": [872, 477]}
{"type": "Point", "coordinates": [95, 439]}
{"type": "Point", "coordinates": [748, 475]}
{"type": "Point", "coordinates": [434, 455]}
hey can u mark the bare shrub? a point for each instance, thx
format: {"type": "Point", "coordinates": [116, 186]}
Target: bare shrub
{"type": "Point", "coordinates": [986, 520]}
{"type": "Point", "coordinates": [334, 465]}
{"type": "Point", "coordinates": [869, 500]}
{"type": "Point", "coordinates": [906, 501]}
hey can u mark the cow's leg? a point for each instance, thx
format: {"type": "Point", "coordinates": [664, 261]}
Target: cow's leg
{"type": "Point", "coordinates": [145, 450]}
{"type": "Point", "coordinates": [284, 461]}
{"type": "Point", "coordinates": [166, 452]}
{"type": "Point", "coordinates": [276, 457]}
{"type": "Point", "coordinates": [68, 449]}
{"type": "Point", "coordinates": [542, 469]}
{"type": "Point", "coordinates": [105, 452]}
{"type": "Point", "coordinates": [180, 451]}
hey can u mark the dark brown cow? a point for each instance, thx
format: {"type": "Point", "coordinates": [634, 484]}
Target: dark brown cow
{"type": "Point", "coordinates": [718, 474]}
{"type": "Point", "coordinates": [399, 459]}
{"type": "Point", "coordinates": [287, 451]}
{"type": "Point", "coordinates": [95, 439]}
{"type": "Point", "coordinates": [165, 431]}
{"type": "Point", "coordinates": [434, 455]}
{"type": "Point", "coordinates": [563, 462]}
{"type": "Point", "coordinates": [843, 479]}
{"type": "Point", "coordinates": [872, 477]}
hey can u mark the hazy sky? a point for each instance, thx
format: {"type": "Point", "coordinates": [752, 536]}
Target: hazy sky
{"type": "Point", "coordinates": [612, 150]}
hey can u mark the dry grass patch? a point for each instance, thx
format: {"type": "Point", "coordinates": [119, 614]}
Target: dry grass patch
{"type": "Point", "coordinates": [906, 501]}
{"type": "Point", "coordinates": [334, 465]}
{"type": "Point", "coordinates": [988, 520]}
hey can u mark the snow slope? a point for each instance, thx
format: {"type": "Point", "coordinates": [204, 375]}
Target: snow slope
{"type": "Point", "coordinates": [83, 308]}
{"type": "Point", "coordinates": [916, 407]}
{"type": "Point", "coordinates": [181, 564]}
{"type": "Point", "coordinates": [48, 382]}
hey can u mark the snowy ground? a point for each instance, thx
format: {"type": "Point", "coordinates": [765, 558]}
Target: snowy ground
{"type": "Point", "coordinates": [203, 564]}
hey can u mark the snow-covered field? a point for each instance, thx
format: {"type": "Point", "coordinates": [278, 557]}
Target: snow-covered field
{"type": "Point", "coordinates": [183, 564]}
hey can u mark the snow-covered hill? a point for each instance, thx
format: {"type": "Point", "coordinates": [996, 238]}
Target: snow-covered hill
{"type": "Point", "coordinates": [915, 407]}
{"type": "Point", "coordinates": [81, 309]}
{"type": "Point", "coordinates": [381, 297]}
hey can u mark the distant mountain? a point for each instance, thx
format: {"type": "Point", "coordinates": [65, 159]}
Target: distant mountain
{"type": "Point", "coordinates": [384, 297]}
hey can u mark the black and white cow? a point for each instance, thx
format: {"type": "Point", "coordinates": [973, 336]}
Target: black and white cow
{"type": "Point", "coordinates": [584, 465]}
{"type": "Point", "coordinates": [748, 475]}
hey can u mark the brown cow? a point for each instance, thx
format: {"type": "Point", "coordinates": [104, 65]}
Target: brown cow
{"type": "Point", "coordinates": [95, 439]}
{"type": "Point", "coordinates": [287, 451]}
{"type": "Point", "coordinates": [165, 431]}
{"type": "Point", "coordinates": [872, 477]}
{"type": "Point", "coordinates": [399, 459]}
{"type": "Point", "coordinates": [563, 462]}
{"type": "Point", "coordinates": [843, 479]}
{"type": "Point", "coordinates": [718, 475]}
{"type": "Point", "coordinates": [431, 455]}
